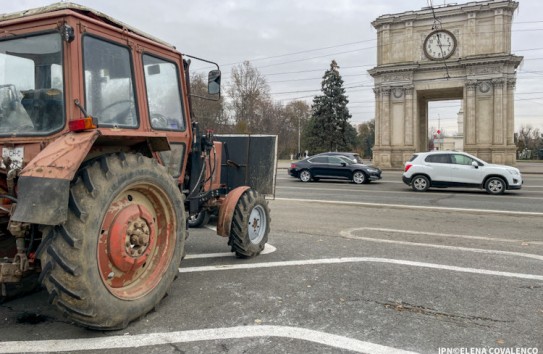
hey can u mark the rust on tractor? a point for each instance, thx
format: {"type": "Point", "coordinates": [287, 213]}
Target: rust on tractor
{"type": "Point", "coordinates": [62, 157]}
{"type": "Point", "coordinates": [226, 212]}
{"type": "Point", "coordinates": [101, 163]}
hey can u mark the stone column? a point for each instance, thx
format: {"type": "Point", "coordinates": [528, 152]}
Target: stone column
{"type": "Point", "coordinates": [469, 114]}
{"type": "Point", "coordinates": [510, 119]}
{"type": "Point", "coordinates": [385, 116]}
{"type": "Point", "coordinates": [409, 117]}
{"type": "Point", "coordinates": [378, 118]}
{"type": "Point", "coordinates": [499, 128]}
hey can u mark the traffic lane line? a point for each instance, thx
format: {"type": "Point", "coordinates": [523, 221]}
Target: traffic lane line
{"type": "Point", "coordinates": [267, 250]}
{"type": "Point", "coordinates": [349, 234]}
{"type": "Point", "coordinates": [469, 237]}
{"type": "Point", "coordinates": [415, 207]}
{"type": "Point", "coordinates": [466, 193]}
{"type": "Point", "coordinates": [167, 338]}
{"type": "Point", "coordinates": [344, 260]}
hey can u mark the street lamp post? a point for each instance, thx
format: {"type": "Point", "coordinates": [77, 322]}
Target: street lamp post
{"type": "Point", "coordinates": [299, 129]}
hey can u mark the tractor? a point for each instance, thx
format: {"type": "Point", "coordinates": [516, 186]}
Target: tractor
{"type": "Point", "coordinates": [103, 164]}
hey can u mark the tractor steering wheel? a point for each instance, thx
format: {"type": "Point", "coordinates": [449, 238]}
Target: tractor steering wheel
{"type": "Point", "coordinates": [121, 117]}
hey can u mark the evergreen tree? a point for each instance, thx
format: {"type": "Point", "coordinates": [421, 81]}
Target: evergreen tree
{"type": "Point", "coordinates": [328, 128]}
{"type": "Point", "coordinates": [366, 136]}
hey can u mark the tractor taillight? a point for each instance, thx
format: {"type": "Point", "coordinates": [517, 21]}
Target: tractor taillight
{"type": "Point", "coordinates": [86, 123]}
{"type": "Point", "coordinates": [407, 167]}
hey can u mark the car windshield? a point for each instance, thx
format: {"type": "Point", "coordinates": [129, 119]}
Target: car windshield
{"type": "Point", "coordinates": [31, 85]}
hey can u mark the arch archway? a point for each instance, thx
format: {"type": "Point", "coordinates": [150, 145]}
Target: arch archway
{"type": "Point", "coordinates": [452, 52]}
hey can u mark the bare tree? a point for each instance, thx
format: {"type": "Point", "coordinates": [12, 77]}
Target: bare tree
{"type": "Point", "coordinates": [249, 95]}
{"type": "Point", "coordinates": [529, 141]}
{"type": "Point", "coordinates": [297, 114]}
{"type": "Point", "coordinates": [210, 114]}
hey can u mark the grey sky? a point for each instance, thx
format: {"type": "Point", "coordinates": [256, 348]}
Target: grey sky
{"type": "Point", "coordinates": [293, 42]}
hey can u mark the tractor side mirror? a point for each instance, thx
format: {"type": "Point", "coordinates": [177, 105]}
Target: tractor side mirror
{"type": "Point", "coordinates": [214, 82]}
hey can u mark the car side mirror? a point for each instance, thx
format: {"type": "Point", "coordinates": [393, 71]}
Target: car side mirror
{"type": "Point", "coordinates": [343, 164]}
{"type": "Point", "coordinates": [475, 164]}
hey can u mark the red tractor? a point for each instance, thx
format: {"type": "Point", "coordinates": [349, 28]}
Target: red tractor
{"type": "Point", "coordinates": [102, 165]}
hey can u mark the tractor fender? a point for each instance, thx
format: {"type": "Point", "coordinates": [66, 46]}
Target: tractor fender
{"type": "Point", "coordinates": [44, 184]}
{"type": "Point", "coordinates": [226, 211]}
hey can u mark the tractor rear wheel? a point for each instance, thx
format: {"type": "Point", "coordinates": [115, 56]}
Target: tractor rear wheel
{"type": "Point", "coordinates": [116, 256]}
{"type": "Point", "coordinates": [250, 225]}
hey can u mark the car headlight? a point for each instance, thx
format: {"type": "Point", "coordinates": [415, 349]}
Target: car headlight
{"type": "Point", "coordinates": [373, 170]}
{"type": "Point", "coordinates": [513, 172]}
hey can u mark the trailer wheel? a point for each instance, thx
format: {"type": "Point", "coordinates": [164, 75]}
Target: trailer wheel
{"type": "Point", "coordinates": [116, 256]}
{"type": "Point", "coordinates": [250, 225]}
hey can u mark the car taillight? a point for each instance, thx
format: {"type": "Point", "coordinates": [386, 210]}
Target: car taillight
{"type": "Point", "coordinates": [292, 165]}
{"type": "Point", "coordinates": [407, 167]}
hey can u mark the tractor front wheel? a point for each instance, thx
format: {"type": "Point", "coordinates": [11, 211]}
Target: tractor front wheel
{"type": "Point", "coordinates": [250, 225]}
{"type": "Point", "coordinates": [116, 256]}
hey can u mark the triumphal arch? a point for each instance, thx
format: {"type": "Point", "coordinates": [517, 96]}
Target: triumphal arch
{"type": "Point", "coordinates": [449, 52]}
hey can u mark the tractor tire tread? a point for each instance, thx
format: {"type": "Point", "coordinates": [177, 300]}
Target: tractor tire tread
{"type": "Point", "coordinates": [72, 281]}
{"type": "Point", "coordinates": [239, 240]}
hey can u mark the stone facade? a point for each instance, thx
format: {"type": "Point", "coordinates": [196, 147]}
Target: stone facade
{"type": "Point", "coordinates": [479, 69]}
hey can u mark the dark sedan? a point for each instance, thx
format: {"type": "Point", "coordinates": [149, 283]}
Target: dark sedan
{"type": "Point", "coordinates": [333, 167]}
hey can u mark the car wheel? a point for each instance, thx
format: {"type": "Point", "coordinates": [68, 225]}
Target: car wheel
{"type": "Point", "coordinates": [359, 177]}
{"type": "Point", "coordinates": [305, 176]}
{"type": "Point", "coordinates": [420, 183]}
{"type": "Point", "coordinates": [495, 185]}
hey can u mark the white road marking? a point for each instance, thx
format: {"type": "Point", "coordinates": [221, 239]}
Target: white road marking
{"type": "Point", "coordinates": [408, 190]}
{"type": "Point", "coordinates": [209, 255]}
{"type": "Point", "coordinates": [267, 250]}
{"type": "Point", "coordinates": [167, 338]}
{"type": "Point", "coordinates": [412, 207]}
{"type": "Point", "coordinates": [483, 238]}
{"type": "Point", "coordinates": [349, 234]}
{"type": "Point", "coordinates": [360, 260]}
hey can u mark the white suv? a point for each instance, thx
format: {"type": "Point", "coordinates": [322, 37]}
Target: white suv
{"type": "Point", "coordinates": [458, 169]}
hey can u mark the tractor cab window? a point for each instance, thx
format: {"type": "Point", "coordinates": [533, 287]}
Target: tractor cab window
{"type": "Point", "coordinates": [31, 85]}
{"type": "Point", "coordinates": [109, 83]}
{"type": "Point", "coordinates": [163, 94]}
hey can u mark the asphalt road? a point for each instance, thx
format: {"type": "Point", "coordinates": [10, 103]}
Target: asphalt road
{"type": "Point", "coordinates": [392, 191]}
{"type": "Point", "coordinates": [372, 268]}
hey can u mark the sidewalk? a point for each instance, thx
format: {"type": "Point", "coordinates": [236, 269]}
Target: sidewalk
{"type": "Point", "coordinates": [526, 167]}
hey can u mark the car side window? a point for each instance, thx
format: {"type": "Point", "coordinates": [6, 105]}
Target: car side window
{"type": "Point", "coordinates": [438, 158]}
{"type": "Point", "coordinates": [347, 160]}
{"type": "Point", "coordinates": [413, 157]}
{"type": "Point", "coordinates": [319, 159]}
{"type": "Point", "coordinates": [335, 160]}
{"type": "Point", "coordinates": [459, 159]}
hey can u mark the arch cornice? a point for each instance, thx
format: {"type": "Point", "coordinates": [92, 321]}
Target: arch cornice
{"type": "Point", "coordinates": [442, 12]}
{"type": "Point", "coordinates": [470, 65]}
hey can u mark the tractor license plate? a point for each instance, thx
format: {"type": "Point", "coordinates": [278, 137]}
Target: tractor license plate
{"type": "Point", "coordinates": [16, 154]}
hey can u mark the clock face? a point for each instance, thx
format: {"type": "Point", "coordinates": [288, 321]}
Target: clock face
{"type": "Point", "coordinates": [439, 45]}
